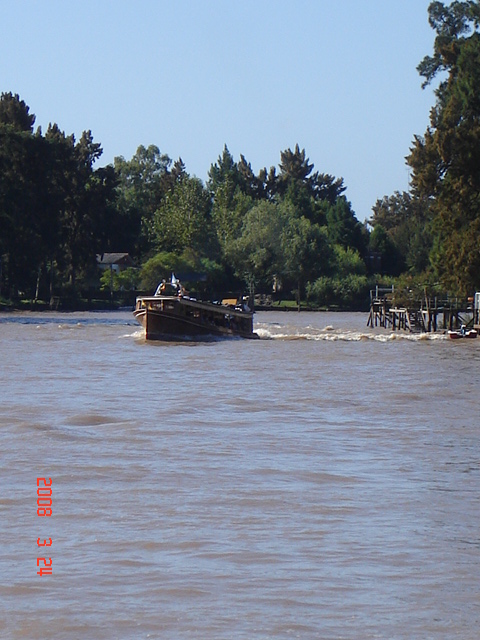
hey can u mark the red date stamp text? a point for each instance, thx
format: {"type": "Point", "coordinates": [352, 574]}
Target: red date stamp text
{"type": "Point", "coordinates": [44, 509]}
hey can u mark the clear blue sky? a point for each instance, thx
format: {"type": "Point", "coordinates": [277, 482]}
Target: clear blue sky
{"type": "Point", "coordinates": [338, 77]}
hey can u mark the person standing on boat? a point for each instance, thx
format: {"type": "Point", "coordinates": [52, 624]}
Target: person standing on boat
{"type": "Point", "coordinates": [181, 291]}
{"type": "Point", "coordinates": [161, 288]}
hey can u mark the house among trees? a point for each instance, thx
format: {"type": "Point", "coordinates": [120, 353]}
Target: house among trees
{"type": "Point", "coordinates": [114, 261]}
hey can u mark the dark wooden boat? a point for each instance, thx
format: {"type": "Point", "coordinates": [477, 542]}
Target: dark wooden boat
{"type": "Point", "coordinates": [178, 317]}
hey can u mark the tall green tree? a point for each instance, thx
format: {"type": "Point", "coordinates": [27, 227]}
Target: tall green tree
{"type": "Point", "coordinates": [143, 182]}
{"type": "Point", "coordinates": [22, 189]}
{"type": "Point", "coordinates": [183, 219]}
{"type": "Point", "coordinates": [343, 227]}
{"type": "Point", "coordinates": [224, 171]}
{"type": "Point", "coordinates": [308, 192]}
{"type": "Point", "coordinates": [256, 253]}
{"type": "Point", "coordinates": [305, 251]}
{"type": "Point", "coordinates": [235, 189]}
{"type": "Point", "coordinates": [294, 166]}
{"type": "Point", "coordinates": [446, 161]}
{"type": "Point", "coordinates": [80, 221]}
{"type": "Point", "coordinates": [228, 213]}
{"type": "Point", "coordinates": [293, 182]}
{"type": "Point", "coordinates": [253, 186]}
{"type": "Point", "coordinates": [15, 114]}
{"type": "Point", "coordinates": [388, 259]}
{"type": "Point", "coordinates": [406, 220]}
{"type": "Point", "coordinates": [51, 201]}
{"type": "Point", "coordinates": [79, 207]}
{"type": "Point", "coordinates": [224, 186]}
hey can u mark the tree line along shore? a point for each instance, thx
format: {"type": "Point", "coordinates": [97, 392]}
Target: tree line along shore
{"type": "Point", "coordinates": [288, 232]}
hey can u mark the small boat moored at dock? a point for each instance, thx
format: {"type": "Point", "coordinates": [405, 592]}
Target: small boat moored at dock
{"type": "Point", "coordinates": [463, 332]}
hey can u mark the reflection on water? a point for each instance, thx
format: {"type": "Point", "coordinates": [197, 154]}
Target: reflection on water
{"type": "Point", "coordinates": [320, 483]}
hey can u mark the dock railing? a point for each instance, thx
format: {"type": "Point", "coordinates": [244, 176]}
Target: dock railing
{"type": "Point", "coordinates": [400, 310]}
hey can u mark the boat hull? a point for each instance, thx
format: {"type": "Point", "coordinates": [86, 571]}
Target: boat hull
{"type": "Point", "coordinates": [178, 320]}
{"type": "Point", "coordinates": [459, 335]}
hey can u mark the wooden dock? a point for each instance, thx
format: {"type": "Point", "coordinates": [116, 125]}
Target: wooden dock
{"type": "Point", "coordinates": [476, 312]}
{"type": "Point", "coordinates": [426, 315]}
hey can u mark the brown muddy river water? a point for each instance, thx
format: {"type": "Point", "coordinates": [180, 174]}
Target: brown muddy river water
{"type": "Point", "coordinates": [322, 482]}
